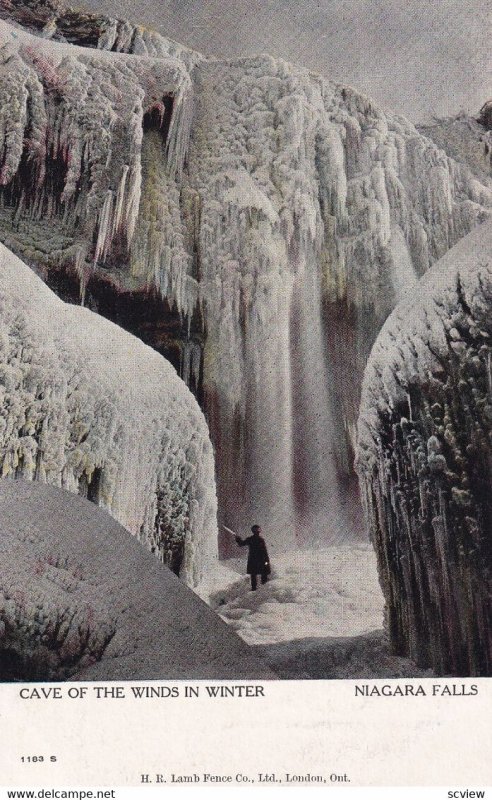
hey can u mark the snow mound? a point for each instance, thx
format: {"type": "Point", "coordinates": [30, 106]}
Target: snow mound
{"type": "Point", "coordinates": [312, 593]}
{"type": "Point", "coordinates": [80, 599]}
{"type": "Point", "coordinates": [88, 407]}
{"type": "Point", "coordinates": [424, 460]}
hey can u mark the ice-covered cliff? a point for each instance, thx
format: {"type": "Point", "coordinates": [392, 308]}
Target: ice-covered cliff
{"type": "Point", "coordinates": [271, 218]}
{"type": "Point", "coordinates": [51, 19]}
{"type": "Point", "coordinates": [80, 599]}
{"type": "Point", "coordinates": [467, 140]}
{"type": "Point", "coordinates": [424, 459]}
{"type": "Point", "coordinates": [86, 406]}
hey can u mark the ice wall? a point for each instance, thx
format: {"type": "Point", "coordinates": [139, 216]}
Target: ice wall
{"type": "Point", "coordinates": [424, 462]}
{"type": "Point", "coordinates": [287, 213]}
{"type": "Point", "coordinates": [88, 407]}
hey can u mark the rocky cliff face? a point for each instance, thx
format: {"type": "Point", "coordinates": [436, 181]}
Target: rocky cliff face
{"type": "Point", "coordinates": [425, 463]}
{"type": "Point", "coordinates": [88, 407]}
{"type": "Point", "coordinates": [272, 218]}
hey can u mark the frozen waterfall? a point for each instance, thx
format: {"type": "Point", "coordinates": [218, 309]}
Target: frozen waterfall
{"type": "Point", "coordinates": [276, 216]}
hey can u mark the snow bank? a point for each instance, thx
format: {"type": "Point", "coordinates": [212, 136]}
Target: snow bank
{"type": "Point", "coordinates": [424, 462]}
{"type": "Point", "coordinates": [80, 599]}
{"type": "Point", "coordinates": [88, 407]}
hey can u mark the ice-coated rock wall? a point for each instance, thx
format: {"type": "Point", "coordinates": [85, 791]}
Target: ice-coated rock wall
{"type": "Point", "coordinates": [424, 459]}
{"type": "Point", "coordinates": [325, 211]}
{"type": "Point", "coordinates": [88, 407]}
{"type": "Point", "coordinates": [284, 212]}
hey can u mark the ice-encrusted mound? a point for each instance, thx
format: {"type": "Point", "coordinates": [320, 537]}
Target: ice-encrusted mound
{"type": "Point", "coordinates": [311, 593]}
{"type": "Point", "coordinates": [86, 406]}
{"type": "Point", "coordinates": [286, 213]}
{"type": "Point", "coordinates": [424, 460]}
{"type": "Point", "coordinates": [81, 599]}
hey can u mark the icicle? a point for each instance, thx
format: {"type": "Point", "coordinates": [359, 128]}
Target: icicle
{"type": "Point", "coordinates": [120, 200]}
{"type": "Point", "coordinates": [180, 129]}
{"type": "Point", "coordinates": [105, 228]}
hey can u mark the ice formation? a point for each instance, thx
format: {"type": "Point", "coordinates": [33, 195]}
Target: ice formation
{"type": "Point", "coordinates": [278, 216]}
{"type": "Point", "coordinates": [87, 406]}
{"type": "Point", "coordinates": [424, 460]}
{"type": "Point", "coordinates": [81, 599]}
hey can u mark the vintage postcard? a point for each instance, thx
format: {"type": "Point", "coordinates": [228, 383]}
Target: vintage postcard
{"type": "Point", "coordinates": [245, 397]}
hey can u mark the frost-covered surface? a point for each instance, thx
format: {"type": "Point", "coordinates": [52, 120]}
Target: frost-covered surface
{"type": "Point", "coordinates": [290, 211]}
{"type": "Point", "coordinates": [419, 58]}
{"type": "Point", "coordinates": [323, 212]}
{"type": "Point", "coordinates": [425, 455]}
{"type": "Point", "coordinates": [72, 131]}
{"type": "Point", "coordinates": [81, 599]}
{"type": "Point", "coordinates": [312, 593]}
{"type": "Point", "coordinates": [88, 407]}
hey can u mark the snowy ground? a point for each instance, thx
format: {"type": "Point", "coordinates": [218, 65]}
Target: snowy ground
{"type": "Point", "coordinates": [331, 592]}
{"type": "Point", "coordinates": [319, 616]}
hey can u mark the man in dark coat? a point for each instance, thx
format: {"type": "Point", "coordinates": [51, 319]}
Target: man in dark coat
{"type": "Point", "coordinates": [258, 561]}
